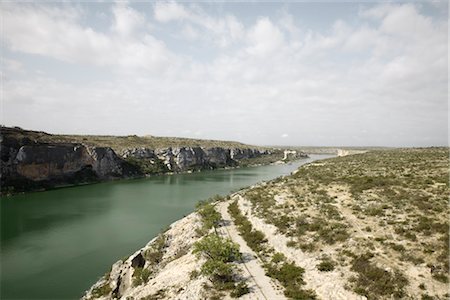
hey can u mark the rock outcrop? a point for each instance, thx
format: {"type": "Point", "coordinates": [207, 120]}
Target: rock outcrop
{"type": "Point", "coordinates": [180, 159]}
{"type": "Point", "coordinates": [28, 165]}
{"type": "Point", "coordinates": [33, 160]}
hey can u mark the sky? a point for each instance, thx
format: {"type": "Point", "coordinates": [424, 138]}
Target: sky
{"type": "Point", "coordinates": [265, 73]}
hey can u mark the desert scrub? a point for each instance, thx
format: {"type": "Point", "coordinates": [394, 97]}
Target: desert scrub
{"type": "Point", "coordinates": [375, 282]}
{"type": "Point", "coordinates": [326, 265]}
{"type": "Point", "coordinates": [155, 253]}
{"type": "Point", "coordinates": [333, 232]}
{"type": "Point", "coordinates": [255, 239]}
{"type": "Point", "coordinates": [262, 201]}
{"type": "Point", "coordinates": [392, 202]}
{"type": "Point", "coordinates": [141, 276]}
{"type": "Point", "coordinates": [219, 267]}
{"type": "Point", "coordinates": [102, 290]}
{"type": "Point", "coordinates": [289, 275]}
{"type": "Point", "coordinates": [210, 218]}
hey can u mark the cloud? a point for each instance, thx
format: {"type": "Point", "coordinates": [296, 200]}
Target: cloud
{"type": "Point", "coordinates": [169, 11]}
{"type": "Point", "coordinates": [126, 20]}
{"type": "Point", "coordinates": [378, 79]}
{"type": "Point", "coordinates": [57, 33]}
{"type": "Point", "coordinates": [264, 38]}
{"type": "Point", "coordinates": [12, 65]}
{"type": "Point", "coordinates": [223, 30]}
{"type": "Point", "coordinates": [189, 33]}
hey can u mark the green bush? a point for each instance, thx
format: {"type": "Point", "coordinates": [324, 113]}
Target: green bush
{"type": "Point", "coordinates": [326, 265]}
{"type": "Point", "coordinates": [255, 239]}
{"type": "Point", "coordinates": [210, 217]}
{"type": "Point", "coordinates": [102, 290]}
{"type": "Point", "coordinates": [216, 248]}
{"type": "Point", "coordinates": [141, 275]}
{"type": "Point", "coordinates": [219, 252]}
{"type": "Point", "coordinates": [374, 282]}
{"type": "Point", "coordinates": [155, 253]}
{"type": "Point", "coordinates": [239, 290]}
{"type": "Point", "coordinates": [217, 270]}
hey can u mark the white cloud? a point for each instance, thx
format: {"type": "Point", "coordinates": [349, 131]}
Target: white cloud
{"type": "Point", "coordinates": [355, 82]}
{"type": "Point", "coordinates": [223, 30]}
{"type": "Point", "coordinates": [50, 32]}
{"type": "Point", "coordinates": [169, 11]}
{"type": "Point", "coordinates": [126, 20]}
{"type": "Point", "coordinates": [264, 38]}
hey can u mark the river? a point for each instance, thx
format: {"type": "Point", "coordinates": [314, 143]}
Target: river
{"type": "Point", "coordinates": [56, 244]}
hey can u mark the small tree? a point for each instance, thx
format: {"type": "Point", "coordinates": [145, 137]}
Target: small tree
{"type": "Point", "coordinates": [219, 252]}
{"type": "Point", "coordinates": [210, 217]}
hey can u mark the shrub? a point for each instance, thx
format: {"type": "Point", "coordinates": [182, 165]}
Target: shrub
{"type": "Point", "coordinates": [219, 252]}
{"type": "Point", "coordinates": [239, 290]}
{"type": "Point", "coordinates": [374, 282]}
{"type": "Point", "coordinates": [440, 277]}
{"type": "Point", "coordinates": [155, 253]}
{"type": "Point", "coordinates": [216, 248]}
{"type": "Point", "coordinates": [255, 239]}
{"type": "Point", "coordinates": [289, 275]}
{"type": "Point", "coordinates": [333, 232]}
{"type": "Point", "coordinates": [326, 265]}
{"type": "Point", "coordinates": [102, 290]}
{"type": "Point", "coordinates": [209, 216]}
{"type": "Point", "coordinates": [217, 270]}
{"type": "Point", "coordinates": [140, 276]}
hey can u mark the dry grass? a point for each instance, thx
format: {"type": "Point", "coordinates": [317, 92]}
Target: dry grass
{"type": "Point", "coordinates": [120, 143]}
{"type": "Point", "coordinates": [392, 204]}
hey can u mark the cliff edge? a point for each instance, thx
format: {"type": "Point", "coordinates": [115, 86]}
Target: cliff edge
{"type": "Point", "coordinates": [32, 160]}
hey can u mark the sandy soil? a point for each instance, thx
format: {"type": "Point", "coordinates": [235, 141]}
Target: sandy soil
{"type": "Point", "coordinates": [327, 285]}
{"type": "Point", "coordinates": [262, 286]}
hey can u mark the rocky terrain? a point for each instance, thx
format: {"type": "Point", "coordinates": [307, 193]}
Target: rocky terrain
{"type": "Point", "coordinates": [32, 160]}
{"type": "Point", "coordinates": [365, 226]}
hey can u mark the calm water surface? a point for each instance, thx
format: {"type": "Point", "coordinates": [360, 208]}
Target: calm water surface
{"type": "Point", "coordinates": [56, 244]}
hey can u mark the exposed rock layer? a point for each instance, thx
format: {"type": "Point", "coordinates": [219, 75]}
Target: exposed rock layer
{"type": "Point", "coordinates": [28, 163]}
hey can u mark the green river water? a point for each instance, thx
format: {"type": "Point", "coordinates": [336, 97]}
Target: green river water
{"type": "Point", "coordinates": [56, 244]}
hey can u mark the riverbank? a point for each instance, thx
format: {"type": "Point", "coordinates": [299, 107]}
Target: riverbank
{"type": "Point", "coordinates": [342, 228]}
{"type": "Point", "coordinates": [32, 161]}
{"type": "Point", "coordinates": [85, 229]}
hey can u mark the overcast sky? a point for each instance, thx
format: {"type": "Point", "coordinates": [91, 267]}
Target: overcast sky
{"type": "Point", "coordinates": [260, 73]}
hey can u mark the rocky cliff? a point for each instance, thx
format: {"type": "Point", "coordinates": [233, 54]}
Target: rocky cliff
{"type": "Point", "coordinates": [179, 159]}
{"type": "Point", "coordinates": [29, 164]}
{"type": "Point", "coordinates": [35, 160]}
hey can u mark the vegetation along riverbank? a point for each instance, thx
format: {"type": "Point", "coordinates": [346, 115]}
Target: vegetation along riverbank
{"type": "Point", "coordinates": [366, 226]}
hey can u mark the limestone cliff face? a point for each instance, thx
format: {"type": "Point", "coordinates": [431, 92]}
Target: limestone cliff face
{"type": "Point", "coordinates": [107, 164]}
{"type": "Point", "coordinates": [29, 163]}
{"type": "Point", "coordinates": [179, 159]}
{"type": "Point", "coordinates": [40, 162]}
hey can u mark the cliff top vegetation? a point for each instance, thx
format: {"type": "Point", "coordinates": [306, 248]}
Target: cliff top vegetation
{"type": "Point", "coordinates": [120, 143]}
